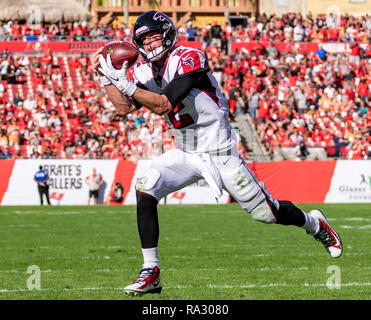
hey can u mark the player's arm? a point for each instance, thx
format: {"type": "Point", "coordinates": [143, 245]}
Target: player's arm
{"type": "Point", "coordinates": [192, 73]}
{"type": "Point", "coordinates": [157, 103]}
{"type": "Point", "coordinates": [122, 92]}
{"type": "Point", "coordinates": [173, 93]}
{"type": "Point", "coordinates": [122, 103]}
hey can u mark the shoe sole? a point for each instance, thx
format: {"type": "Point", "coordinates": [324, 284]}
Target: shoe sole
{"type": "Point", "coordinates": [140, 293]}
{"type": "Point", "coordinates": [322, 216]}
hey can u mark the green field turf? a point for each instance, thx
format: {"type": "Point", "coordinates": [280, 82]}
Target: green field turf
{"type": "Point", "coordinates": [206, 252]}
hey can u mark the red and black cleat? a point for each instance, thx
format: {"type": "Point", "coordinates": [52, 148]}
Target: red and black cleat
{"type": "Point", "coordinates": [327, 235]}
{"type": "Point", "coordinates": [149, 281]}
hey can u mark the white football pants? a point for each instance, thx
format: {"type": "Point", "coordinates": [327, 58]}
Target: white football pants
{"type": "Point", "coordinates": [176, 169]}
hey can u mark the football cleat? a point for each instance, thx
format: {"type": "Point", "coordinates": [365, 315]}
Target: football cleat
{"type": "Point", "coordinates": [327, 235]}
{"type": "Point", "coordinates": [149, 281]}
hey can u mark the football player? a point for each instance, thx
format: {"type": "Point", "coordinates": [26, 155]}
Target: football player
{"type": "Point", "coordinates": [176, 82]}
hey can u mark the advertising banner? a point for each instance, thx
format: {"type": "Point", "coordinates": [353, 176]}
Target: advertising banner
{"type": "Point", "coordinates": [342, 181]}
{"type": "Point", "coordinates": [66, 46]}
{"type": "Point", "coordinates": [298, 181]}
{"type": "Point", "coordinates": [91, 46]}
{"type": "Point", "coordinates": [66, 181]}
{"type": "Point", "coordinates": [351, 182]}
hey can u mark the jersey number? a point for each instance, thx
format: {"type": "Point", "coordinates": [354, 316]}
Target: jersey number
{"type": "Point", "coordinates": [179, 121]}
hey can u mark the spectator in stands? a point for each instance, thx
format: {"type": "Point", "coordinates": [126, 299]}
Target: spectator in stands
{"type": "Point", "coordinates": [53, 120]}
{"type": "Point", "coordinates": [253, 102]}
{"type": "Point", "coordinates": [355, 53]}
{"type": "Point", "coordinates": [2, 90]}
{"type": "Point", "coordinates": [298, 32]}
{"type": "Point", "coordinates": [13, 133]}
{"type": "Point", "coordinates": [321, 52]}
{"type": "Point", "coordinates": [301, 149]}
{"type": "Point", "coordinates": [4, 68]}
{"type": "Point", "coordinates": [11, 71]}
{"type": "Point", "coordinates": [48, 58]}
{"type": "Point", "coordinates": [272, 51]}
{"type": "Point", "coordinates": [339, 142]}
{"type": "Point", "coordinates": [234, 94]}
{"type": "Point", "coordinates": [4, 153]}
{"type": "Point", "coordinates": [30, 103]}
{"type": "Point", "coordinates": [206, 37]}
{"type": "Point", "coordinates": [18, 99]}
{"type": "Point", "coordinates": [217, 34]}
{"type": "Point", "coordinates": [301, 101]}
{"type": "Point", "coordinates": [364, 89]}
{"type": "Point", "coordinates": [3, 32]}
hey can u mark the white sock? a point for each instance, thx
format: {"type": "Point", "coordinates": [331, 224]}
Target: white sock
{"type": "Point", "coordinates": [150, 257]}
{"type": "Point", "coordinates": [311, 223]}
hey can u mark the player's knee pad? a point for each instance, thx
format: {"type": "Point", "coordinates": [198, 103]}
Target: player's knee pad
{"type": "Point", "coordinates": [240, 185]}
{"type": "Point", "coordinates": [263, 212]}
{"type": "Point", "coordinates": [148, 180]}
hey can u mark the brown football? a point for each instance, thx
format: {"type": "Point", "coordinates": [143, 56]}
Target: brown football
{"type": "Point", "coordinates": [120, 51]}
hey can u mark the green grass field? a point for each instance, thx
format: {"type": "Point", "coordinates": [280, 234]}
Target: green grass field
{"type": "Point", "coordinates": [206, 252]}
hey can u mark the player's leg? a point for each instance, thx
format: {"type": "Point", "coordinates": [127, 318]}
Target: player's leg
{"type": "Point", "coordinates": [254, 197]}
{"type": "Point", "coordinates": [148, 227]}
{"type": "Point", "coordinates": [149, 280]}
{"type": "Point", "coordinates": [169, 173]}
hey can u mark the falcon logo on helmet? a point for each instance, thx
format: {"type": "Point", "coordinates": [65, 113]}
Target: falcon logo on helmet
{"type": "Point", "coordinates": [159, 16]}
{"type": "Point", "coordinates": [154, 21]}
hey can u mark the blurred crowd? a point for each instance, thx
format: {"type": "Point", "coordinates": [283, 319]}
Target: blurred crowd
{"type": "Point", "coordinates": [53, 107]}
{"type": "Point", "coordinates": [315, 99]}
{"type": "Point", "coordinates": [286, 28]}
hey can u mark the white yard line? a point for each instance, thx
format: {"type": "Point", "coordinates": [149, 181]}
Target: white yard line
{"type": "Point", "coordinates": [349, 219]}
{"type": "Point", "coordinates": [267, 269]}
{"type": "Point", "coordinates": [208, 286]}
{"type": "Point", "coordinates": [363, 227]}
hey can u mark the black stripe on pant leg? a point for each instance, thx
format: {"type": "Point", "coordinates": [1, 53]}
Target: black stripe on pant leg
{"type": "Point", "coordinates": [288, 214]}
{"type": "Point", "coordinates": [147, 219]}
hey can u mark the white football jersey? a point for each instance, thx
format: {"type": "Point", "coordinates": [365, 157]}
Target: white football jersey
{"type": "Point", "coordinates": [200, 121]}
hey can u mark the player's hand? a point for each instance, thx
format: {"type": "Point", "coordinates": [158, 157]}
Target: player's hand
{"type": "Point", "coordinates": [95, 59]}
{"type": "Point", "coordinates": [118, 77]}
{"type": "Point", "coordinates": [95, 65]}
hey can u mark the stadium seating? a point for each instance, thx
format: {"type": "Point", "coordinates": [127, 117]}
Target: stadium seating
{"type": "Point", "coordinates": [291, 97]}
